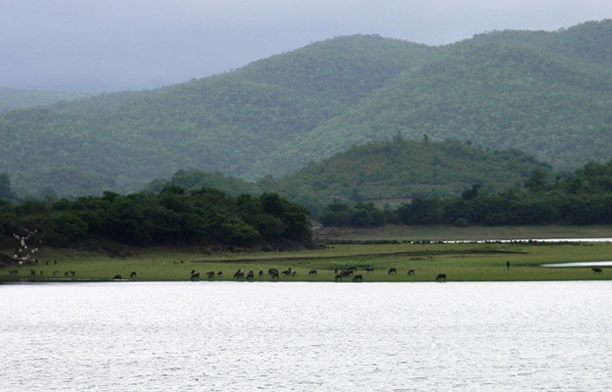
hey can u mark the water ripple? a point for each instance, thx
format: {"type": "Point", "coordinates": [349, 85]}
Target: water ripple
{"type": "Point", "coordinates": [526, 336]}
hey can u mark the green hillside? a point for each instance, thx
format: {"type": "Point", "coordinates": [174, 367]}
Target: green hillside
{"type": "Point", "coordinates": [386, 173]}
{"type": "Point", "coordinates": [229, 122]}
{"type": "Point", "coordinates": [499, 92]}
{"type": "Point", "coordinates": [393, 172]}
{"type": "Point", "coordinates": [545, 93]}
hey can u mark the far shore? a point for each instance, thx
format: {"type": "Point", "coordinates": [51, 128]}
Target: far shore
{"type": "Point", "coordinates": [450, 233]}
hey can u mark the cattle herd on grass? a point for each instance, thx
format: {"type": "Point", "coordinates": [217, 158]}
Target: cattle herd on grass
{"type": "Point", "coordinates": [274, 274]}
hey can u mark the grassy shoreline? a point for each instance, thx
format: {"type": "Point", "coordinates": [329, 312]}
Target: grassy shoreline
{"type": "Point", "coordinates": [460, 261]}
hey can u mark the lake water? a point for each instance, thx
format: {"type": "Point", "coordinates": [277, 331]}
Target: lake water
{"type": "Point", "coordinates": [580, 264]}
{"type": "Point", "coordinates": [228, 336]}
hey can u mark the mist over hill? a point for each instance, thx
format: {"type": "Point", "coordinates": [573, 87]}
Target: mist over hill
{"type": "Point", "coordinates": [545, 93]}
{"type": "Point", "coordinates": [12, 99]}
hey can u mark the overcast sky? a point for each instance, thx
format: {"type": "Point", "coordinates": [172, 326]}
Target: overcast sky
{"type": "Point", "coordinates": [112, 45]}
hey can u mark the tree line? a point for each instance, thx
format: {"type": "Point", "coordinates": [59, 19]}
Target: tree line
{"type": "Point", "coordinates": [172, 216]}
{"type": "Point", "coordinates": [582, 198]}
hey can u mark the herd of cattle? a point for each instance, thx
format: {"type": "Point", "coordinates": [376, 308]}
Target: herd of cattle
{"type": "Point", "coordinates": [275, 274]}
{"type": "Point", "coordinates": [272, 274]}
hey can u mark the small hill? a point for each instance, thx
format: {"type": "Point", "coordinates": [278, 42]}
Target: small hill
{"type": "Point", "coordinates": [392, 172]}
{"type": "Point", "coordinates": [389, 172]}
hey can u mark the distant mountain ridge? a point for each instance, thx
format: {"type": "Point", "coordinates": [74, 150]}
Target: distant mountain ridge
{"type": "Point", "coordinates": [13, 99]}
{"type": "Point", "coordinates": [546, 93]}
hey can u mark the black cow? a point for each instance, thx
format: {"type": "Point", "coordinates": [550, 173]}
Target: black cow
{"type": "Point", "coordinates": [411, 272]}
{"type": "Point", "coordinates": [357, 278]}
{"type": "Point", "coordinates": [597, 270]}
{"type": "Point", "coordinates": [272, 271]}
{"type": "Point", "coordinates": [392, 271]}
{"type": "Point", "coordinates": [287, 272]}
{"type": "Point", "coordinates": [440, 277]}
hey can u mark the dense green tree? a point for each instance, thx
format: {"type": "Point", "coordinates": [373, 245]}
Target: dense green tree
{"type": "Point", "coordinates": [420, 211]}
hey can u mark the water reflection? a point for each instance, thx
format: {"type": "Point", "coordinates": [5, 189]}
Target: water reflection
{"type": "Point", "coordinates": [580, 264]}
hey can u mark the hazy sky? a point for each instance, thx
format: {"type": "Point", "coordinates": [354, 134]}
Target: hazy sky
{"type": "Point", "coordinates": [111, 45]}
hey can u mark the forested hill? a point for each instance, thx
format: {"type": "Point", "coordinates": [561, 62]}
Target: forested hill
{"type": "Point", "coordinates": [546, 93]}
{"type": "Point", "coordinates": [386, 173]}
{"type": "Point", "coordinates": [230, 122]}
{"type": "Point", "coordinates": [395, 171]}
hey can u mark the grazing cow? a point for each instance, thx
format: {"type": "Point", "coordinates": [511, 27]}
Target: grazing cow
{"type": "Point", "coordinates": [312, 272]}
{"type": "Point", "coordinates": [392, 271]}
{"type": "Point", "coordinates": [293, 273]}
{"type": "Point", "coordinates": [440, 277]}
{"type": "Point", "coordinates": [117, 277]}
{"type": "Point", "coordinates": [358, 278]}
{"type": "Point", "coordinates": [274, 274]}
{"type": "Point", "coordinates": [66, 273]}
{"type": "Point", "coordinates": [250, 275]}
{"type": "Point", "coordinates": [273, 271]}
{"type": "Point", "coordinates": [32, 272]}
{"type": "Point", "coordinates": [287, 272]}
{"type": "Point", "coordinates": [219, 273]}
{"type": "Point", "coordinates": [369, 270]}
{"type": "Point", "coordinates": [338, 277]}
{"type": "Point", "coordinates": [597, 270]}
{"type": "Point", "coordinates": [72, 273]}
{"type": "Point", "coordinates": [14, 272]}
{"type": "Point", "coordinates": [195, 275]}
{"type": "Point", "coordinates": [411, 272]}
{"type": "Point", "coordinates": [133, 275]}
{"type": "Point", "coordinates": [260, 273]}
{"type": "Point", "coordinates": [346, 273]}
{"type": "Point", "coordinates": [239, 274]}
{"type": "Point", "coordinates": [210, 274]}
